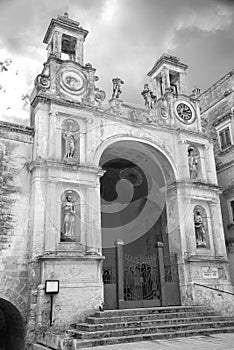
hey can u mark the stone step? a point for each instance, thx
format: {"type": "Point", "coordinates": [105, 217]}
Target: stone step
{"type": "Point", "coordinates": [151, 310]}
{"type": "Point", "coordinates": [79, 344]}
{"type": "Point", "coordinates": [86, 327]}
{"type": "Point", "coordinates": [142, 317]}
{"type": "Point", "coordinates": [122, 332]}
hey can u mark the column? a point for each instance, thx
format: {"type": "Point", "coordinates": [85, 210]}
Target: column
{"type": "Point", "coordinates": [165, 79]}
{"type": "Point", "coordinates": [52, 213]}
{"type": "Point", "coordinates": [120, 273]}
{"type": "Point", "coordinates": [161, 272]}
{"type": "Point", "coordinates": [183, 84]}
{"type": "Point", "coordinates": [217, 230]}
{"type": "Point", "coordinates": [93, 221]}
{"type": "Point", "coordinates": [79, 51]}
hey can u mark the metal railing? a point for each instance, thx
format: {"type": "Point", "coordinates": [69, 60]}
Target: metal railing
{"type": "Point", "coordinates": [216, 289]}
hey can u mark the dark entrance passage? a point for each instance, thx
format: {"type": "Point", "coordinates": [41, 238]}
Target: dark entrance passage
{"type": "Point", "coordinates": [139, 271]}
{"type": "Point", "coordinates": [12, 330]}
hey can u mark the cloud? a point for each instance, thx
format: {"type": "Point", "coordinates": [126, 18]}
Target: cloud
{"type": "Point", "coordinates": [126, 37]}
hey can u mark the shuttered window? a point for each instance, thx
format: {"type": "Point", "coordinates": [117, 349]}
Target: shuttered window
{"type": "Point", "coordinates": [225, 138]}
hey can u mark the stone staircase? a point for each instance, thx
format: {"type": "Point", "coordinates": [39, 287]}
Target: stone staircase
{"type": "Point", "coordinates": [132, 325]}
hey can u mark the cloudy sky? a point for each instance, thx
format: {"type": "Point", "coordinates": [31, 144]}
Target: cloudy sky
{"type": "Point", "coordinates": [125, 39]}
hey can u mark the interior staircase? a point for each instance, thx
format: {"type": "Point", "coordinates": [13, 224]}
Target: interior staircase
{"type": "Point", "coordinates": [132, 325]}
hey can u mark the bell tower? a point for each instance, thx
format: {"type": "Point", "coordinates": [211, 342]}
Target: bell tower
{"type": "Point", "coordinates": [65, 39]}
{"type": "Point", "coordinates": [168, 75]}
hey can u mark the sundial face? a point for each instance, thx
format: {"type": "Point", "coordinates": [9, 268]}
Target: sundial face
{"type": "Point", "coordinates": [184, 112]}
{"type": "Point", "coordinates": [72, 81]}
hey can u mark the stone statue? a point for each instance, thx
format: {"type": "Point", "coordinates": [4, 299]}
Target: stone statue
{"type": "Point", "coordinates": [149, 97]}
{"type": "Point", "coordinates": [117, 87]}
{"type": "Point", "coordinates": [200, 230]}
{"type": "Point", "coordinates": [68, 216]}
{"type": "Point", "coordinates": [193, 160]}
{"type": "Point", "coordinates": [146, 95]}
{"type": "Point", "coordinates": [70, 140]}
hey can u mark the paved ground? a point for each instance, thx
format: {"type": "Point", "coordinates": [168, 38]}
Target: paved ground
{"type": "Point", "coordinates": [213, 342]}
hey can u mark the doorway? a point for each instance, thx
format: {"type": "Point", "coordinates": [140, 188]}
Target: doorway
{"type": "Point", "coordinates": [133, 198]}
{"type": "Point", "coordinates": [12, 330]}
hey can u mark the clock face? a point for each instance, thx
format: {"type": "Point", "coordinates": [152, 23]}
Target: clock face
{"type": "Point", "coordinates": [184, 112]}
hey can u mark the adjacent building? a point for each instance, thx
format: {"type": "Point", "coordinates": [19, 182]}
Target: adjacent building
{"type": "Point", "coordinates": [217, 104]}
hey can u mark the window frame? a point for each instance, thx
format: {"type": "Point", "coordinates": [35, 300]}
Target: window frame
{"type": "Point", "coordinates": [231, 210]}
{"type": "Point", "coordinates": [221, 131]}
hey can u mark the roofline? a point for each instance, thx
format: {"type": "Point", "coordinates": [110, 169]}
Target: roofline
{"type": "Point", "coordinates": [167, 59]}
{"type": "Point", "coordinates": [221, 80]}
{"type": "Point", "coordinates": [66, 24]}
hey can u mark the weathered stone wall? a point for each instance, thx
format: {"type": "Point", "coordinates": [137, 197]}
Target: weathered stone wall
{"type": "Point", "coordinates": [15, 154]}
{"type": "Point", "coordinates": [218, 99]}
{"type": "Point", "coordinates": [216, 102]}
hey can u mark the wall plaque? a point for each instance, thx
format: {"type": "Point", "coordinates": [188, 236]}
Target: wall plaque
{"type": "Point", "coordinates": [210, 272]}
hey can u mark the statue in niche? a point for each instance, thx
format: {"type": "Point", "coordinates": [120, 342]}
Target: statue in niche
{"type": "Point", "coordinates": [200, 228]}
{"type": "Point", "coordinates": [68, 226]}
{"type": "Point", "coordinates": [193, 161]}
{"type": "Point", "coordinates": [117, 82]}
{"type": "Point", "coordinates": [70, 138]}
{"type": "Point", "coordinates": [69, 143]}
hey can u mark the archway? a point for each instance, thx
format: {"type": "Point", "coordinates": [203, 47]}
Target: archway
{"type": "Point", "coordinates": [134, 213]}
{"type": "Point", "coordinates": [12, 330]}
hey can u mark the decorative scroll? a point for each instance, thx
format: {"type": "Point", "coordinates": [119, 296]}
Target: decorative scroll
{"type": "Point", "coordinates": [141, 278]}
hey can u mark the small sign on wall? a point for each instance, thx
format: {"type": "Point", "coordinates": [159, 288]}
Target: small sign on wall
{"type": "Point", "coordinates": [210, 272]}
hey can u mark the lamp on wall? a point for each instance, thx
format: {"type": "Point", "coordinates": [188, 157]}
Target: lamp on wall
{"type": "Point", "coordinates": [52, 288]}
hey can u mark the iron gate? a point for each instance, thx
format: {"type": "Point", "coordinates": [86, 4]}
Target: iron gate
{"type": "Point", "coordinates": [141, 281]}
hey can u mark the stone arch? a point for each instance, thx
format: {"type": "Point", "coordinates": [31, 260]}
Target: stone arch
{"type": "Point", "coordinates": [12, 326]}
{"type": "Point", "coordinates": [134, 195]}
{"type": "Point", "coordinates": [157, 145]}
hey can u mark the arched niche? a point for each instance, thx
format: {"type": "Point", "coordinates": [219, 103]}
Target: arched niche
{"type": "Point", "coordinates": [70, 141]}
{"type": "Point", "coordinates": [70, 217]}
{"type": "Point", "coordinates": [194, 162]}
{"type": "Point", "coordinates": [201, 227]}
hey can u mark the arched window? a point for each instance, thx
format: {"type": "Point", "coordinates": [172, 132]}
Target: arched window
{"type": "Point", "coordinates": [70, 216]}
{"type": "Point", "coordinates": [70, 141]}
{"type": "Point", "coordinates": [194, 163]}
{"type": "Point", "coordinates": [201, 227]}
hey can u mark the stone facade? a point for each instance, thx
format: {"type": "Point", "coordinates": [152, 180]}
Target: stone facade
{"type": "Point", "coordinates": [217, 113]}
{"type": "Point", "coordinates": [51, 202]}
